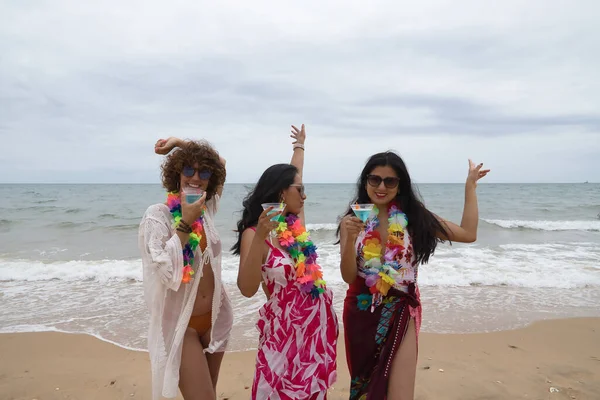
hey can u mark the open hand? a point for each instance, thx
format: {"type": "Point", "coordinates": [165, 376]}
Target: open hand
{"type": "Point", "coordinates": [299, 135]}
{"type": "Point", "coordinates": [475, 173]}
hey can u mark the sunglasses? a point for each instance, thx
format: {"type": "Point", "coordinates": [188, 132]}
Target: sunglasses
{"type": "Point", "coordinates": [190, 171]}
{"type": "Point", "coordinates": [300, 189]}
{"type": "Point", "coordinates": [390, 182]}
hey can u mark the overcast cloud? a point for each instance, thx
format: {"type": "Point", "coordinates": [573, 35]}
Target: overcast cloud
{"type": "Point", "coordinates": [87, 88]}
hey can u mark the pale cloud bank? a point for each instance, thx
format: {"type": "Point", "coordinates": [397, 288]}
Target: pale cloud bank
{"type": "Point", "coordinates": [86, 89]}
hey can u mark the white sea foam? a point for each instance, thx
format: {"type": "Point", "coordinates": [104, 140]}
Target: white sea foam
{"type": "Point", "coordinates": [546, 225]}
{"type": "Point", "coordinates": [321, 227]}
{"type": "Point", "coordinates": [99, 270]}
{"type": "Point", "coordinates": [518, 265]}
{"type": "Point", "coordinates": [540, 225]}
{"type": "Point", "coordinates": [47, 328]}
{"type": "Point", "coordinates": [529, 266]}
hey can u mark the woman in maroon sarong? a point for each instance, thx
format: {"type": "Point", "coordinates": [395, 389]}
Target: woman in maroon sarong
{"type": "Point", "coordinates": [379, 260]}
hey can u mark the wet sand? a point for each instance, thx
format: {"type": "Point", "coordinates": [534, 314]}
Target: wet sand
{"type": "Point", "coordinates": [554, 359]}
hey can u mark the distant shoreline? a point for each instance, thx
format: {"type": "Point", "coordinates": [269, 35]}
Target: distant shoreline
{"type": "Point", "coordinates": [306, 183]}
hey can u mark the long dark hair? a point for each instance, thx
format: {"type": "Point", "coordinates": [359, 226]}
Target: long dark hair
{"type": "Point", "coordinates": [268, 189]}
{"type": "Point", "coordinates": [422, 224]}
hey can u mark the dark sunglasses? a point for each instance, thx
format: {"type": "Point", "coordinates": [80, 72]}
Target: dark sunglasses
{"type": "Point", "coordinates": [190, 171]}
{"type": "Point", "coordinates": [300, 189]}
{"type": "Point", "coordinates": [390, 182]}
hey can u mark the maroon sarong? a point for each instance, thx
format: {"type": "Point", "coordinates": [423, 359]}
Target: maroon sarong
{"type": "Point", "coordinates": [372, 338]}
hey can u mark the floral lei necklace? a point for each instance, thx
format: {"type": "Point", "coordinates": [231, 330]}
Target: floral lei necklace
{"type": "Point", "coordinates": [381, 277]}
{"type": "Point", "coordinates": [197, 229]}
{"type": "Point", "coordinates": [294, 238]}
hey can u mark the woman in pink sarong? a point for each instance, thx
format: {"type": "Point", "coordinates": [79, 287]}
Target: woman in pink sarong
{"type": "Point", "coordinates": [298, 326]}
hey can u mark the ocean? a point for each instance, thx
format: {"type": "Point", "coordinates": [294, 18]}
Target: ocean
{"type": "Point", "coordinates": [69, 259]}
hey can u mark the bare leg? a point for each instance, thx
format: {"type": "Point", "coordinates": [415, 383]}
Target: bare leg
{"type": "Point", "coordinates": [213, 360]}
{"type": "Point", "coordinates": [214, 365]}
{"type": "Point", "coordinates": [401, 385]}
{"type": "Point", "coordinates": [195, 380]}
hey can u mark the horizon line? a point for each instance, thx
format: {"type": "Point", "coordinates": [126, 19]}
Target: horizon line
{"type": "Point", "coordinates": [306, 183]}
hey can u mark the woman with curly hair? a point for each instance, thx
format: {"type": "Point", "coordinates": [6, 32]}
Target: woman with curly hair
{"type": "Point", "coordinates": [190, 313]}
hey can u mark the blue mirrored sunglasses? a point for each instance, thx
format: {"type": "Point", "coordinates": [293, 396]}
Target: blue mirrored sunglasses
{"type": "Point", "coordinates": [190, 171]}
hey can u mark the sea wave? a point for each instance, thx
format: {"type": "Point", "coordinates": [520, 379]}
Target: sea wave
{"type": "Point", "coordinates": [74, 270]}
{"type": "Point", "coordinates": [71, 225]}
{"type": "Point", "coordinates": [73, 210]}
{"type": "Point", "coordinates": [593, 226]}
{"type": "Point", "coordinates": [36, 209]}
{"type": "Point", "coordinates": [49, 328]}
{"type": "Point", "coordinates": [109, 216]}
{"type": "Point", "coordinates": [539, 225]}
{"type": "Point", "coordinates": [321, 227]}
{"type": "Point", "coordinates": [569, 265]}
{"type": "Point", "coordinates": [123, 227]}
{"type": "Point", "coordinates": [45, 201]}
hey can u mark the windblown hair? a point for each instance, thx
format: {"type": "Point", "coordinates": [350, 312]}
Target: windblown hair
{"type": "Point", "coordinates": [268, 189]}
{"type": "Point", "coordinates": [423, 225]}
{"type": "Point", "coordinates": [190, 153]}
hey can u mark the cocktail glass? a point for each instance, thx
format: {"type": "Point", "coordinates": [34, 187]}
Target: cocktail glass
{"type": "Point", "coordinates": [362, 211]}
{"type": "Point", "coordinates": [277, 210]}
{"type": "Point", "coordinates": [192, 194]}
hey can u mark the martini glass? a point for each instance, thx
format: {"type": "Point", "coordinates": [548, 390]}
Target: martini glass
{"type": "Point", "coordinates": [277, 209]}
{"type": "Point", "coordinates": [363, 211]}
{"type": "Point", "coordinates": [192, 194]}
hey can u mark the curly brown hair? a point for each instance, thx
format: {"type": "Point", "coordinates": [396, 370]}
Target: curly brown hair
{"type": "Point", "coordinates": [190, 153]}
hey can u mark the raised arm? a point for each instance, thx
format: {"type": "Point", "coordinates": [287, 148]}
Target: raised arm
{"type": "Point", "coordinates": [299, 136]}
{"type": "Point", "coordinates": [466, 232]}
{"type": "Point", "coordinates": [164, 146]}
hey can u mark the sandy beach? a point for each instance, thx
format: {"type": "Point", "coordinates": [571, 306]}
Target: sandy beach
{"type": "Point", "coordinates": [554, 359]}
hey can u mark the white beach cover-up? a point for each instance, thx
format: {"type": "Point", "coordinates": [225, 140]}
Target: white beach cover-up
{"type": "Point", "coordinates": [170, 303]}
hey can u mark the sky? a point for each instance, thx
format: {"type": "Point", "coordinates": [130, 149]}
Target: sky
{"type": "Point", "coordinates": [86, 88]}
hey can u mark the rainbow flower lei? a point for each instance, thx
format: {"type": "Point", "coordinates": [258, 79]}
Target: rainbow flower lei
{"type": "Point", "coordinates": [174, 204]}
{"type": "Point", "coordinates": [381, 277]}
{"type": "Point", "coordinates": [294, 238]}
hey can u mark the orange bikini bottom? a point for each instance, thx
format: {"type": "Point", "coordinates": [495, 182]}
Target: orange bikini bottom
{"type": "Point", "coordinates": [201, 323]}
